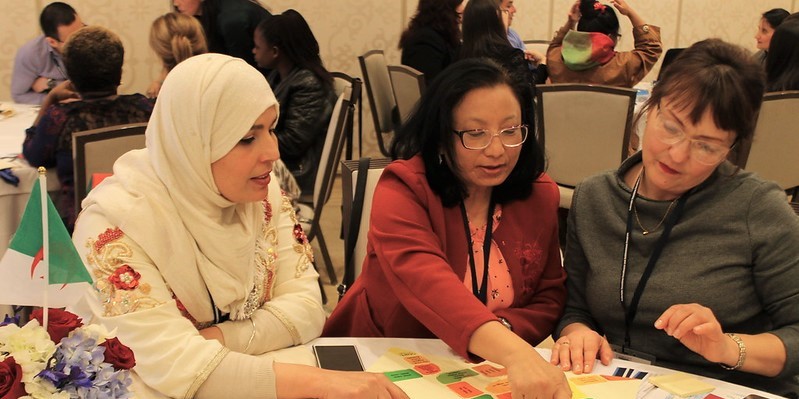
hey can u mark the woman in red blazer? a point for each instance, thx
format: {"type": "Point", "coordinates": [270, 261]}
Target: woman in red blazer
{"type": "Point", "coordinates": [464, 245]}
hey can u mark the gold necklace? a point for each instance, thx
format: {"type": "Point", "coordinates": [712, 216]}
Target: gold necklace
{"type": "Point", "coordinates": [663, 219]}
{"type": "Point", "coordinates": [654, 229]}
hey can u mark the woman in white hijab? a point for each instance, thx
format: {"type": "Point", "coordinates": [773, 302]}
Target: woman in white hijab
{"type": "Point", "coordinates": [198, 260]}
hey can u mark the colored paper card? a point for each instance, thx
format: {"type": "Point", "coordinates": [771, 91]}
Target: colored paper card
{"type": "Point", "coordinates": [586, 379]}
{"type": "Point", "coordinates": [500, 386]}
{"type": "Point", "coordinates": [506, 395]}
{"type": "Point", "coordinates": [484, 397]}
{"type": "Point", "coordinates": [464, 389]}
{"type": "Point", "coordinates": [455, 376]}
{"type": "Point", "coordinates": [640, 375]}
{"type": "Point", "coordinates": [619, 371]}
{"type": "Point", "coordinates": [681, 384]}
{"type": "Point", "coordinates": [490, 371]}
{"type": "Point", "coordinates": [711, 396]}
{"type": "Point", "coordinates": [416, 359]}
{"type": "Point", "coordinates": [427, 368]}
{"type": "Point", "coordinates": [402, 352]}
{"type": "Point", "coordinates": [402, 375]}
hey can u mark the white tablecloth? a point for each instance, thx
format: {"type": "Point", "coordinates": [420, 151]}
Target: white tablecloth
{"type": "Point", "coordinates": [12, 128]}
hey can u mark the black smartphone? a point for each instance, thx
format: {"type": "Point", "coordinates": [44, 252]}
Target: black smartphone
{"type": "Point", "coordinates": [338, 357]}
{"type": "Point", "coordinates": [753, 396]}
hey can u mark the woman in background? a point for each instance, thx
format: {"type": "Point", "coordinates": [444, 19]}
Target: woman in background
{"type": "Point", "coordinates": [464, 245]}
{"type": "Point", "coordinates": [769, 21]}
{"type": "Point", "coordinates": [587, 55]}
{"type": "Point", "coordinates": [678, 256]}
{"type": "Point", "coordinates": [285, 44]}
{"type": "Point", "coordinates": [782, 62]}
{"type": "Point", "coordinates": [93, 57]}
{"type": "Point", "coordinates": [228, 24]}
{"type": "Point", "coordinates": [198, 260]}
{"type": "Point", "coordinates": [174, 37]}
{"type": "Point", "coordinates": [431, 41]}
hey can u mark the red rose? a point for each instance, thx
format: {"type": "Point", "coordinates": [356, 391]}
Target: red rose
{"type": "Point", "coordinates": [60, 323]}
{"type": "Point", "coordinates": [11, 379]}
{"type": "Point", "coordinates": [119, 355]}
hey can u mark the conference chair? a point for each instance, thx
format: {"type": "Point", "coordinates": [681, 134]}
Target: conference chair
{"type": "Point", "coordinates": [381, 96]}
{"type": "Point", "coordinates": [357, 201]}
{"type": "Point", "coordinates": [772, 152]}
{"type": "Point", "coordinates": [584, 129]}
{"type": "Point", "coordinates": [96, 150]}
{"type": "Point", "coordinates": [311, 214]}
{"type": "Point", "coordinates": [340, 81]}
{"type": "Point", "coordinates": [408, 85]}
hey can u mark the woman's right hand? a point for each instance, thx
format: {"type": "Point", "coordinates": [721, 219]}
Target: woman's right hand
{"type": "Point", "coordinates": [577, 349]}
{"type": "Point", "coordinates": [622, 6]}
{"type": "Point", "coordinates": [531, 377]}
{"type": "Point", "coordinates": [348, 384]}
{"type": "Point", "coordinates": [574, 12]}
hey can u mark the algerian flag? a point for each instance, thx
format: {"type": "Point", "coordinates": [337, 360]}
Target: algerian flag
{"type": "Point", "coordinates": [22, 272]}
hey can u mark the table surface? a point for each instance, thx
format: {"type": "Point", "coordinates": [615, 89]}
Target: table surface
{"type": "Point", "coordinates": [12, 128]}
{"type": "Point", "coordinates": [372, 349]}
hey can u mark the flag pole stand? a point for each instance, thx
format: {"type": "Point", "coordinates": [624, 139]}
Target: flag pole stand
{"type": "Point", "coordinates": [45, 244]}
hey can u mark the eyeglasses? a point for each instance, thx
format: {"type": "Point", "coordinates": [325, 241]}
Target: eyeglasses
{"type": "Point", "coordinates": [704, 152]}
{"type": "Point", "coordinates": [478, 139]}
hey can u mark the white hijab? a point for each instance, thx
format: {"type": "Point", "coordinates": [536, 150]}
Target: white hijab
{"type": "Point", "coordinates": [165, 199]}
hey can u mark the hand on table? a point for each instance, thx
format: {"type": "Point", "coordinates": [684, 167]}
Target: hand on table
{"type": "Point", "coordinates": [696, 327]}
{"type": "Point", "coordinates": [357, 385]}
{"type": "Point", "coordinates": [577, 349]}
{"type": "Point", "coordinates": [531, 377]}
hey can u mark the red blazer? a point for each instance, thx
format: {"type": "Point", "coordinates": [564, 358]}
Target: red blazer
{"type": "Point", "coordinates": [412, 280]}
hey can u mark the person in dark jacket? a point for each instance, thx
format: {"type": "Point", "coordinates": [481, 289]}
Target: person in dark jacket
{"type": "Point", "coordinates": [431, 41]}
{"type": "Point", "coordinates": [304, 89]}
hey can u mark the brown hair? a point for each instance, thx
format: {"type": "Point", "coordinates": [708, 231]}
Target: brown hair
{"type": "Point", "coordinates": [175, 37]}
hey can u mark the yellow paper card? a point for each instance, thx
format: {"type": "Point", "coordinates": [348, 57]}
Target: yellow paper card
{"type": "Point", "coordinates": [681, 384]}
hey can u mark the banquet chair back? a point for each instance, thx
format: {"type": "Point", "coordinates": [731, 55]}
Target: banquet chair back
{"type": "Point", "coordinates": [326, 175]}
{"type": "Point", "coordinates": [540, 45]}
{"type": "Point", "coordinates": [96, 150]}
{"type": "Point", "coordinates": [773, 151]}
{"type": "Point", "coordinates": [584, 129]}
{"type": "Point", "coordinates": [381, 96]}
{"type": "Point", "coordinates": [355, 243]}
{"type": "Point", "coordinates": [408, 85]}
{"type": "Point", "coordinates": [340, 82]}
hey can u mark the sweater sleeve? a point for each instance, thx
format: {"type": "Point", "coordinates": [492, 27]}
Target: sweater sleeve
{"type": "Point", "coordinates": [774, 235]}
{"type": "Point", "coordinates": [643, 57]}
{"type": "Point", "coordinates": [576, 265]}
{"type": "Point", "coordinates": [293, 315]}
{"type": "Point", "coordinates": [407, 240]}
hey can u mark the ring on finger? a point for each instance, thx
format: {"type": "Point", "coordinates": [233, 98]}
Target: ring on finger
{"type": "Point", "coordinates": [564, 343]}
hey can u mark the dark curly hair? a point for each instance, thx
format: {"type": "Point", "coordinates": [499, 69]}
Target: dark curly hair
{"type": "Point", "coordinates": [439, 15]}
{"type": "Point", "coordinates": [428, 132]}
{"type": "Point", "coordinates": [93, 57]}
{"type": "Point", "coordinates": [597, 17]}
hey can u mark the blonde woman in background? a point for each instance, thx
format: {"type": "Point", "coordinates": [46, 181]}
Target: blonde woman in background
{"type": "Point", "coordinates": [175, 37]}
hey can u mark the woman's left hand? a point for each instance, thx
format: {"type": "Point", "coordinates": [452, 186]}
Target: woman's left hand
{"type": "Point", "coordinates": [622, 6]}
{"type": "Point", "coordinates": [696, 327]}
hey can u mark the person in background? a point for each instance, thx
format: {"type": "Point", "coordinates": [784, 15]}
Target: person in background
{"type": "Point", "coordinates": [679, 257]}
{"type": "Point", "coordinates": [534, 57]}
{"type": "Point", "coordinates": [587, 55]}
{"type": "Point", "coordinates": [228, 24]}
{"type": "Point", "coordinates": [174, 37]}
{"type": "Point", "coordinates": [198, 259]}
{"type": "Point", "coordinates": [431, 41]}
{"type": "Point", "coordinates": [464, 245]}
{"type": "Point", "coordinates": [769, 21]}
{"type": "Point", "coordinates": [782, 63]}
{"type": "Point", "coordinates": [485, 35]}
{"type": "Point", "coordinates": [286, 45]}
{"type": "Point", "coordinates": [93, 58]}
{"type": "Point", "coordinates": [38, 66]}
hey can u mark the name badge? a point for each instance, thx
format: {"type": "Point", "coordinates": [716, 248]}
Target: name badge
{"type": "Point", "coordinates": [632, 355]}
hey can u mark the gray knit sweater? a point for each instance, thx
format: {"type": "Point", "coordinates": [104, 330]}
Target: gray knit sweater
{"type": "Point", "coordinates": [734, 250]}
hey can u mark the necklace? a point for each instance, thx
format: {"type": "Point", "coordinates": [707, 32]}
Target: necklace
{"type": "Point", "coordinates": [663, 219]}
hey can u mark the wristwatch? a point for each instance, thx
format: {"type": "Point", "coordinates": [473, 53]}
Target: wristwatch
{"type": "Point", "coordinates": [51, 83]}
{"type": "Point", "coordinates": [506, 323]}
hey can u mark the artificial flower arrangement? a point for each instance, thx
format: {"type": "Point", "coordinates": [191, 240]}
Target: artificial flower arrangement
{"type": "Point", "coordinates": [68, 360]}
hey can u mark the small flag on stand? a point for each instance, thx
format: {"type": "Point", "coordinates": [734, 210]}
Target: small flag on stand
{"type": "Point", "coordinates": [33, 275]}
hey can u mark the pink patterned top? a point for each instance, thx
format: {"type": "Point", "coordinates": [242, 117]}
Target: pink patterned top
{"type": "Point", "coordinates": [500, 286]}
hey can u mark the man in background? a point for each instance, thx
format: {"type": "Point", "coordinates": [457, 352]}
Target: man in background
{"type": "Point", "coordinates": [38, 66]}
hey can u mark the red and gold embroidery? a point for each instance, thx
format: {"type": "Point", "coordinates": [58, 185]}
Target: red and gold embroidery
{"type": "Point", "coordinates": [300, 245]}
{"type": "Point", "coordinates": [125, 278]}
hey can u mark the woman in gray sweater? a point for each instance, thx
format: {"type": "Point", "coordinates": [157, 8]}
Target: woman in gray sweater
{"type": "Point", "coordinates": [678, 257]}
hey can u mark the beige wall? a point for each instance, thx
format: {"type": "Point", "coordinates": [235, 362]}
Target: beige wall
{"type": "Point", "coordinates": [347, 28]}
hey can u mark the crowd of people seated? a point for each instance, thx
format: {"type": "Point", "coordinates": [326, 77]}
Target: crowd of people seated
{"type": "Point", "coordinates": [678, 256]}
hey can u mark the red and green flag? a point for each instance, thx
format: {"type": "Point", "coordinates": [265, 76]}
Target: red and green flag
{"type": "Point", "coordinates": [23, 274]}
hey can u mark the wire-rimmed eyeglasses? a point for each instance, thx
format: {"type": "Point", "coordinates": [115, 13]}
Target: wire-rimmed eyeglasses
{"type": "Point", "coordinates": [478, 139]}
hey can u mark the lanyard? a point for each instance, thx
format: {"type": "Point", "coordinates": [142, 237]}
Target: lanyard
{"type": "Point", "coordinates": [671, 220]}
{"type": "Point", "coordinates": [480, 292]}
